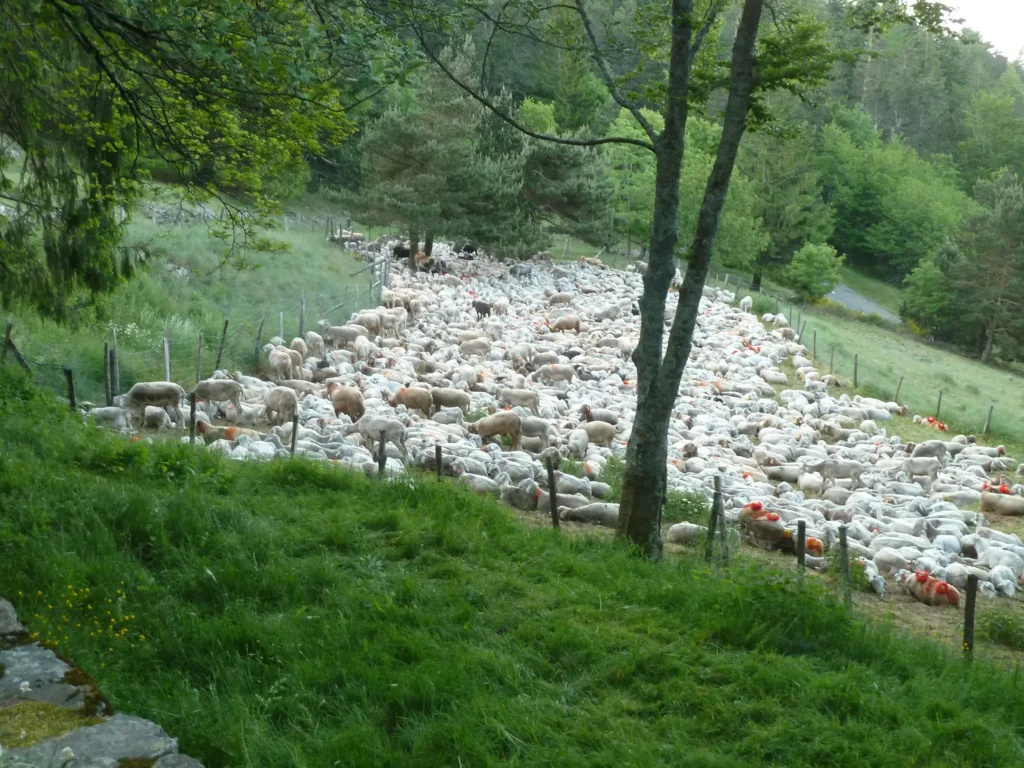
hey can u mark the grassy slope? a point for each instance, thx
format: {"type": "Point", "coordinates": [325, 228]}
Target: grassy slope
{"type": "Point", "coordinates": [296, 615]}
{"type": "Point", "coordinates": [156, 301]}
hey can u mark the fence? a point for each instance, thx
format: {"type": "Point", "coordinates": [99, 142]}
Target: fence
{"type": "Point", "coordinates": [190, 350]}
{"type": "Point", "coordinates": [872, 371]}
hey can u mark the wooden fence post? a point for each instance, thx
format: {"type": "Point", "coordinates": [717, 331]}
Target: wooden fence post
{"type": "Point", "coordinates": [855, 371]}
{"type": "Point", "coordinates": [713, 523]}
{"type": "Point", "coordinates": [70, 378]}
{"type": "Point", "coordinates": [259, 340]}
{"type": "Point", "coordinates": [800, 335]}
{"type": "Point", "coordinates": [220, 350]}
{"type": "Point", "coordinates": [106, 374]}
{"type": "Point", "coordinates": [896, 397]}
{"type": "Point", "coordinates": [988, 420]}
{"type": "Point", "coordinates": [382, 457]}
{"type": "Point", "coordinates": [167, 359]}
{"type": "Point", "coordinates": [801, 544]}
{"type": "Point", "coordinates": [191, 418]}
{"type": "Point", "coordinates": [115, 369]}
{"type": "Point", "coordinates": [972, 597]}
{"type": "Point", "coordinates": [723, 530]}
{"type": "Point", "coordinates": [938, 407]}
{"type": "Point", "coordinates": [199, 360]}
{"type": "Point", "coordinates": [295, 431]}
{"type": "Point", "coordinates": [844, 564]}
{"type": "Point", "coordinates": [438, 459]}
{"type": "Point", "coordinates": [553, 490]}
{"type": "Point", "coordinates": [302, 316]}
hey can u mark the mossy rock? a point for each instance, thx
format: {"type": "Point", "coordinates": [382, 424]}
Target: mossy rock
{"type": "Point", "coordinates": [30, 722]}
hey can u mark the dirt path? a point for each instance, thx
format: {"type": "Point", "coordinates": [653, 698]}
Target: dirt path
{"type": "Point", "coordinates": [853, 300]}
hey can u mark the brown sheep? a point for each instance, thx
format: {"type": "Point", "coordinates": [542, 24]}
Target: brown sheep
{"type": "Point", "coordinates": [413, 397]}
{"type": "Point", "coordinates": [567, 323]}
{"type": "Point", "coordinates": [347, 400]}
{"type": "Point", "coordinates": [504, 423]}
{"type": "Point", "coordinates": [450, 398]}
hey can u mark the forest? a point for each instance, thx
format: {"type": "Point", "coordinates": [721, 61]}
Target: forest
{"type": "Point", "coordinates": [896, 146]}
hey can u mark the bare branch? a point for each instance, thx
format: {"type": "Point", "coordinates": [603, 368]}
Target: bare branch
{"type": "Point", "coordinates": [709, 21]}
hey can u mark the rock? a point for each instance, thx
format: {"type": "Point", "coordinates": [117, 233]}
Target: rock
{"type": "Point", "coordinates": [122, 737]}
{"type": "Point", "coordinates": [33, 664]}
{"type": "Point", "coordinates": [9, 624]}
{"type": "Point", "coordinates": [101, 762]}
{"type": "Point", "coordinates": [177, 761]}
{"type": "Point", "coordinates": [61, 694]}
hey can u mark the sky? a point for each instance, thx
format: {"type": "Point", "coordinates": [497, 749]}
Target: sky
{"type": "Point", "coordinates": [1000, 22]}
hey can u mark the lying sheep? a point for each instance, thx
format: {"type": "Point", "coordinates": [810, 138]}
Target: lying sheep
{"type": "Point", "coordinates": [156, 418]}
{"type": "Point", "coordinates": [113, 417]}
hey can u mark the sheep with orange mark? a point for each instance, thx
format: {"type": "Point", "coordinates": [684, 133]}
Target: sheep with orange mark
{"type": "Point", "coordinates": [504, 423]}
{"type": "Point", "coordinates": [929, 590]}
{"type": "Point", "coordinates": [413, 397]}
{"type": "Point", "coordinates": [524, 398]}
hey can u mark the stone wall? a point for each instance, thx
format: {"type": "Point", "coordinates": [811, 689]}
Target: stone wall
{"type": "Point", "coordinates": [52, 715]}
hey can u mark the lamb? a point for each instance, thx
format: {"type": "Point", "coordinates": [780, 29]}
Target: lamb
{"type": "Point", "coordinates": [413, 397]}
{"type": "Point", "coordinates": [281, 405]}
{"type": "Point", "coordinates": [220, 391]}
{"type": "Point", "coordinates": [165, 394]}
{"type": "Point", "coordinates": [504, 423]}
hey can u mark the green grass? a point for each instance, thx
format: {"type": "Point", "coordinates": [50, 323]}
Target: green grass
{"type": "Point", "coordinates": [156, 301]}
{"type": "Point", "coordinates": [298, 615]}
{"type": "Point", "coordinates": [884, 356]}
{"type": "Point", "coordinates": [882, 293]}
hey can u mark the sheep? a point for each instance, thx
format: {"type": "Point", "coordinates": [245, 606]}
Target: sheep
{"type": "Point", "coordinates": [521, 397]}
{"type": "Point", "coordinates": [281, 405]}
{"type": "Point", "coordinates": [165, 394]}
{"type": "Point", "coordinates": [1002, 504]}
{"type": "Point", "coordinates": [298, 345]}
{"type": "Point", "coordinates": [342, 335]}
{"type": "Point", "coordinates": [568, 323]}
{"type": "Point", "coordinates": [504, 423]}
{"type": "Point", "coordinates": [368, 320]}
{"type": "Point", "coordinates": [219, 391]}
{"type": "Point", "coordinates": [560, 298]}
{"type": "Point", "coordinates": [449, 398]}
{"type": "Point", "coordinates": [156, 418]}
{"type": "Point", "coordinates": [599, 432]}
{"type": "Point", "coordinates": [483, 309]}
{"type": "Point", "coordinates": [552, 372]}
{"type": "Point", "coordinates": [746, 303]}
{"type": "Point", "coordinates": [113, 417]}
{"type": "Point", "coordinates": [279, 362]}
{"type": "Point", "coordinates": [370, 428]}
{"type": "Point", "coordinates": [315, 344]}
{"type": "Point", "coordinates": [347, 400]}
{"type": "Point", "coordinates": [602, 513]}
{"type": "Point", "coordinates": [413, 397]}
{"type": "Point", "coordinates": [480, 347]}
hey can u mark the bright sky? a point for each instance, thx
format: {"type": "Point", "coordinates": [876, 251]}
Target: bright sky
{"type": "Point", "coordinates": [1000, 22]}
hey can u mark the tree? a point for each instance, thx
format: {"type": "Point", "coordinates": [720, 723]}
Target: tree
{"type": "Point", "coordinates": [994, 126]}
{"type": "Point", "coordinates": [673, 42]}
{"type": "Point", "coordinates": [226, 97]}
{"type": "Point", "coordinates": [990, 279]}
{"type": "Point", "coordinates": [813, 272]}
{"type": "Point", "coordinates": [787, 196]}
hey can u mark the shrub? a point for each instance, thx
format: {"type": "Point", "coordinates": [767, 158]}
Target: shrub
{"type": "Point", "coordinates": [689, 507]}
{"type": "Point", "coordinates": [1001, 626]}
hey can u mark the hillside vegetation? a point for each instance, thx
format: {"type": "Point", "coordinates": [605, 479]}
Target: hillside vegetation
{"type": "Point", "coordinates": [293, 614]}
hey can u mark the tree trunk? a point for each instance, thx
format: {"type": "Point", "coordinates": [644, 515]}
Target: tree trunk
{"type": "Point", "coordinates": [428, 247]}
{"type": "Point", "coordinates": [986, 355]}
{"type": "Point", "coordinates": [644, 480]}
{"type": "Point", "coordinates": [756, 285]}
{"type": "Point", "coordinates": [414, 243]}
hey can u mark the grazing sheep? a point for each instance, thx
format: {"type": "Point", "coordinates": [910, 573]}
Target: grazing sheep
{"type": "Point", "coordinates": [164, 394]}
{"type": "Point", "coordinates": [279, 362]}
{"type": "Point", "coordinates": [504, 423]}
{"type": "Point", "coordinates": [220, 391]}
{"type": "Point", "coordinates": [450, 398]}
{"type": "Point", "coordinates": [552, 372]}
{"type": "Point", "coordinates": [483, 309]}
{"type": "Point", "coordinates": [599, 432]}
{"type": "Point", "coordinates": [521, 397]}
{"type": "Point", "coordinates": [480, 347]}
{"type": "Point", "coordinates": [370, 427]}
{"type": "Point", "coordinates": [281, 405]}
{"type": "Point", "coordinates": [347, 400]}
{"type": "Point", "coordinates": [413, 397]}
{"type": "Point", "coordinates": [567, 323]}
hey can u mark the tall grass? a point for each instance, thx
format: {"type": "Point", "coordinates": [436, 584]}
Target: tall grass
{"type": "Point", "coordinates": [297, 615]}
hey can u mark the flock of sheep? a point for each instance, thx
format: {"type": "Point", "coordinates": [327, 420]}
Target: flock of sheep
{"type": "Point", "coordinates": [504, 366]}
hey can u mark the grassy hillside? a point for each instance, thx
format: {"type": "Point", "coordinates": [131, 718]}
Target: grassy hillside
{"type": "Point", "coordinates": [291, 614]}
{"type": "Point", "coordinates": [182, 292]}
{"type": "Point", "coordinates": [885, 294]}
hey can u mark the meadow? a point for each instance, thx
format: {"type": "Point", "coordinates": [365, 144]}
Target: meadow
{"type": "Point", "coordinates": [292, 614]}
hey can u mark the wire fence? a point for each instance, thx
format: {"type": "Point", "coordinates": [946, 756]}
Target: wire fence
{"type": "Point", "coordinates": [866, 368]}
{"type": "Point", "coordinates": [188, 351]}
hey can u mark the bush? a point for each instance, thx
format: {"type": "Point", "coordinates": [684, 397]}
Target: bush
{"type": "Point", "coordinates": [689, 507]}
{"type": "Point", "coordinates": [1002, 626]}
{"type": "Point", "coordinates": [814, 271]}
